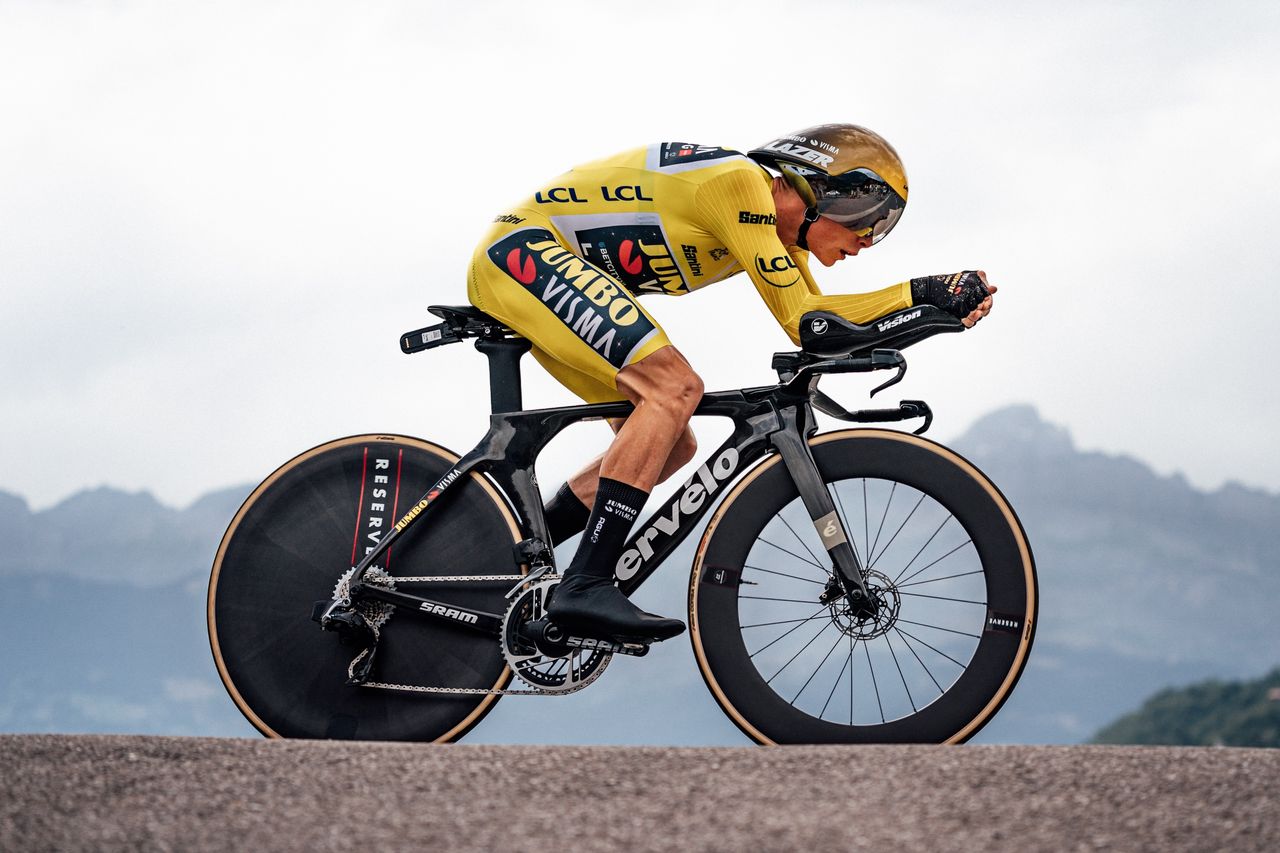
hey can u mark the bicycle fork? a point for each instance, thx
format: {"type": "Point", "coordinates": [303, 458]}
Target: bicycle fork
{"type": "Point", "coordinates": [791, 442]}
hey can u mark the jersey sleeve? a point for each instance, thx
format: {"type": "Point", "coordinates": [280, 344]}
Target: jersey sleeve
{"type": "Point", "coordinates": [738, 208]}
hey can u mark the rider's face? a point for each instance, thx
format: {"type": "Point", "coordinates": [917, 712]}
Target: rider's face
{"type": "Point", "coordinates": [830, 242]}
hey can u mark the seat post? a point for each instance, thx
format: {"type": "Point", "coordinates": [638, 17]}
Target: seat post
{"type": "Point", "coordinates": [504, 354]}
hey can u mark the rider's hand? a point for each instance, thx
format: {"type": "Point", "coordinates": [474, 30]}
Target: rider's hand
{"type": "Point", "coordinates": [965, 295]}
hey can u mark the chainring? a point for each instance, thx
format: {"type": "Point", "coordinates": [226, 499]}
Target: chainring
{"type": "Point", "coordinates": [551, 674]}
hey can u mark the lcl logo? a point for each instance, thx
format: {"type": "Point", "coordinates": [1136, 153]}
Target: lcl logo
{"type": "Point", "coordinates": [772, 269]}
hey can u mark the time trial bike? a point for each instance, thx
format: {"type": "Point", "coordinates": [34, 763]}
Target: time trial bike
{"type": "Point", "coordinates": [855, 586]}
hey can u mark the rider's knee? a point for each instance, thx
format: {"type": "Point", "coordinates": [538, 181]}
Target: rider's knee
{"type": "Point", "coordinates": [680, 396]}
{"type": "Point", "coordinates": [663, 381]}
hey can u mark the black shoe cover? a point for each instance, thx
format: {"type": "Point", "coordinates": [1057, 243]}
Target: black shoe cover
{"type": "Point", "coordinates": [594, 607]}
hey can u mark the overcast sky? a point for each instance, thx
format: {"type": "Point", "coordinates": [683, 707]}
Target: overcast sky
{"type": "Point", "coordinates": [216, 218]}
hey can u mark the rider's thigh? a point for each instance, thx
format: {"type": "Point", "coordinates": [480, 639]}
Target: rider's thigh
{"type": "Point", "coordinates": [573, 312]}
{"type": "Point", "coordinates": [585, 385]}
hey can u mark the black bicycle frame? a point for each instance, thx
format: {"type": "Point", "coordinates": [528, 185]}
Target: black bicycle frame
{"type": "Point", "coordinates": [778, 417]}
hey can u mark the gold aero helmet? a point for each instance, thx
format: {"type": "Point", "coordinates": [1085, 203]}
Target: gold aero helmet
{"type": "Point", "coordinates": [843, 172]}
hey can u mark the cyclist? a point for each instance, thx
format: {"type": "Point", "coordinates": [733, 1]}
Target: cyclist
{"type": "Point", "coordinates": [564, 269]}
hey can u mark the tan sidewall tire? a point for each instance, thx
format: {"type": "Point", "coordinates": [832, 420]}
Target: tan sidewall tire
{"type": "Point", "coordinates": [444, 454]}
{"type": "Point", "coordinates": [725, 511]}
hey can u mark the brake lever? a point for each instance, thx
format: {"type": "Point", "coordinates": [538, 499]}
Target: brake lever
{"type": "Point", "coordinates": [922, 410]}
{"type": "Point", "coordinates": [888, 358]}
{"type": "Point", "coordinates": [907, 410]}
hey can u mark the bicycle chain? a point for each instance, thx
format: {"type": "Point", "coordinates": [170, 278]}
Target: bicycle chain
{"type": "Point", "coordinates": [457, 578]}
{"type": "Point", "coordinates": [343, 591]}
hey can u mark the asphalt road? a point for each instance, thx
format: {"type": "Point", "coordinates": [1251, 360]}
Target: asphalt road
{"type": "Point", "coordinates": [64, 792]}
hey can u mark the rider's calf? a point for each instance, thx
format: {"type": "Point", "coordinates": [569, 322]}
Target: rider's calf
{"type": "Point", "coordinates": [683, 452]}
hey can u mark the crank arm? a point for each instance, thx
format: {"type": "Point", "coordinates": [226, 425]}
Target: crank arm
{"type": "Point", "coordinates": [614, 647]}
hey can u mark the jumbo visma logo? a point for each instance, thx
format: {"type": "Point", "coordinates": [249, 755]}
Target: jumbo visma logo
{"type": "Point", "coordinates": [631, 260]}
{"type": "Point", "coordinates": [524, 272]}
{"type": "Point", "coordinates": [636, 254]}
{"type": "Point", "coordinates": [581, 296]}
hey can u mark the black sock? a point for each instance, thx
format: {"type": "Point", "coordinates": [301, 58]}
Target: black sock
{"type": "Point", "coordinates": [565, 515]}
{"type": "Point", "coordinates": [617, 506]}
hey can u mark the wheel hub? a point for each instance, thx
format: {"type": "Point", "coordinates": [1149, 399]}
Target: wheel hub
{"type": "Point", "coordinates": [866, 621]}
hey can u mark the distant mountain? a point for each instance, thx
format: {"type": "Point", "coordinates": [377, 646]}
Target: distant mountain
{"type": "Point", "coordinates": [1135, 563]}
{"type": "Point", "coordinates": [102, 615]}
{"type": "Point", "coordinates": [1211, 713]}
{"type": "Point", "coordinates": [106, 534]}
{"type": "Point", "coordinates": [1146, 582]}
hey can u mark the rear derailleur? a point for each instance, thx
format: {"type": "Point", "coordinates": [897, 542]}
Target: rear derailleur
{"type": "Point", "coordinates": [353, 629]}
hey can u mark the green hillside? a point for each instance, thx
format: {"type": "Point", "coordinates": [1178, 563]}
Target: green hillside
{"type": "Point", "coordinates": [1212, 713]}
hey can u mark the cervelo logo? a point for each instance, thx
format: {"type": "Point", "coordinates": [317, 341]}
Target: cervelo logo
{"type": "Point", "coordinates": [704, 483]}
{"type": "Point", "coordinates": [448, 612]}
{"type": "Point", "coordinates": [898, 321]}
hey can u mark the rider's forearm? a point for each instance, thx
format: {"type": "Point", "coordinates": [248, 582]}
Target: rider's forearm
{"type": "Point", "coordinates": [856, 307]}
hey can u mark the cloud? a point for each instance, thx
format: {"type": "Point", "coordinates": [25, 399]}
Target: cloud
{"type": "Point", "coordinates": [218, 219]}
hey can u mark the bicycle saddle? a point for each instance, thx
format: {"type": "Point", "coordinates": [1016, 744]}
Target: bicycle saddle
{"type": "Point", "coordinates": [823, 333]}
{"type": "Point", "coordinates": [462, 316]}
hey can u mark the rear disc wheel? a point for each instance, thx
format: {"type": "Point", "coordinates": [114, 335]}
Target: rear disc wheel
{"type": "Point", "coordinates": [298, 533]}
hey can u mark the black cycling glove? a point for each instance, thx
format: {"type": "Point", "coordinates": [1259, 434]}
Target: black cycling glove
{"type": "Point", "coordinates": [957, 294]}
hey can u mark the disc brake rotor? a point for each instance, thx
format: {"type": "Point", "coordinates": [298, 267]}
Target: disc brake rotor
{"type": "Point", "coordinates": [886, 596]}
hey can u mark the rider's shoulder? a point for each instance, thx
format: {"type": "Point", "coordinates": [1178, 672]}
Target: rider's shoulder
{"type": "Point", "coordinates": [686, 159]}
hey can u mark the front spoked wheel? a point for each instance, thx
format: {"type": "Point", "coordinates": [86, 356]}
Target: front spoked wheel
{"type": "Point", "coordinates": [946, 561]}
